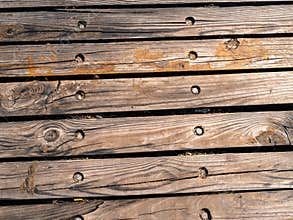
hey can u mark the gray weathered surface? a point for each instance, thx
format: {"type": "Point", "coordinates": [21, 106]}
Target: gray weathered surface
{"type": "Point", "coordinates": [145, 56]}
{"type": "Point", "coordinates": [62, 24]}
{"type": "Point", "coordinates": [144, 134]}
{"type": "Point", "coordinates": [142, 176]}
{"type": "Point", "coordinates": [130, 94]}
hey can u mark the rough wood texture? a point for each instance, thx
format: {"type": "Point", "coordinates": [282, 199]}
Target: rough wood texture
{"type": "Point", "coordinates": [144, 134]}
{"type": "Point", "coordinates": [57, 210]}
{"type": "Point", "coordinates": [142, 176]}
{"type": "Point", "coordinates": [252, 206]}
{"type": "Point", "coordinates": [63, 24]}
{"type": "Point", "coordinates": [52, 3]}
{"type": "Point", "coordinates": [115, 95]}
{"type": "Point", "coordinates": [144, 56]}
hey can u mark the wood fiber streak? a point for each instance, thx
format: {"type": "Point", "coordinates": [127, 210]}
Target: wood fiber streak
{"type": "Point", "coordinates": [140, 94]}
{"type": "Point", "coordinates": [144, 134]}
{"type": "Point", "coordinates": [144, 57]}
{"type": "Point", "coordinates": [253, 206]}
{"type": "Point", "coordinates": [144, 176]}
{"type": "Point", "coordinates": [62, 25]}
{"type": "Point", "coordinates": [52, 3]}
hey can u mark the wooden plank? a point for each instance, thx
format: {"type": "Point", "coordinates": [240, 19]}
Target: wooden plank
{"type": "Point", "coordinates": [94, 24]}
{"type": "Point", "coordinates": [73, 137]}
{"type": "Point", "coordinates": [144, 176]}
{"type": "Point", "coordinates": [145, 56]}
{"type": "Point", "coordinates": [57, 210]}
{"type": "Point", "coordinates": [252, 206]}
{"type": "Point", "coordinates": [140, 94]}
{"type": "Point", "coordinates": [55, 3]}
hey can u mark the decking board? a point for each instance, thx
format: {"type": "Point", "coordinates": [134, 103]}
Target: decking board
{"type": "Point", "coordinates": [62, 25]}
{"type": "Point", "coordinates": [145, 176]}
{"type": "Point", "coordinates": [144, 134]}
{"type": "Point", "coordinates": [145, 57]}
{"type": "Point", "coordinates": [141, 94]}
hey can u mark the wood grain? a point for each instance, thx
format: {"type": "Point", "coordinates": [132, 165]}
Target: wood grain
{"type": "Point", "coordinates": [55, 3]}
{"type": "Point", "coordinates": [145, 56]}
{"type": "Point", "coordinates": [145, 176]}
{"type": "Point", "coordinates": [57, 210]}
{"type": "Point", "coordinates": [144, 134]}
{"type": "Point", "coordinates": [62, 24]}
{"type": "Point", "coordinates": [154, 93]}
{"type": "Point", "coordinates": [253, 206]}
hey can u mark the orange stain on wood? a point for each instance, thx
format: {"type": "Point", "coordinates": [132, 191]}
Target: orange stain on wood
{"type": "Point", "coordinates": [144, 55]}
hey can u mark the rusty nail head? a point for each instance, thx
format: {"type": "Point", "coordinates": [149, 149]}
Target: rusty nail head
{"type": "Point", "coordinates": [198, 130]}
{"type": "Point", "coordinates": [203, 172]}
{"type": "Point", "coordinates": [205, 214]}
{"type": "Point", "coordinates": [78, 177]}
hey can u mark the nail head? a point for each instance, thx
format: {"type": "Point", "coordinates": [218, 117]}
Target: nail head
{"type": "Point", "coordinates": [79, 135]}
{"type": "Point", "coordinates": [189, 21]}
{"type": "Point", "coordinates": [195, 90]}
{"type": "Point", "coordinates": [205, 214]}
{"type": "Point", "coordinates": [192, 55]}
{"type": "Point", "coordinates": [78, 177]}
{"type": "Point", "coordinates": [203, 172]}
{"type": "Point", "coordinates": [81, 24]}
{"type": "Point", "coordinates": [79, 95]}
{"type": "Point", "coordinates": [199, 130]}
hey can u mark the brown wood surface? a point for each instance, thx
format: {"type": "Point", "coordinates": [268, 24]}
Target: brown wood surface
{"type": "Point", "coordinates": [131, 94]}
{"type": "Point", "coordinates": [144, 176]}
{"type": "Point", "coordinates": [62, 25]}
{"type": "Point", "coordinates": [57, 210]}
{"type": "Point", "coordinates": [252, 205]}
{"type": "Point", "coordinates": [145, 56]}
{"type": "Point", "coordinates": [144, 134]}
{"type": "Point", "coordinates": [52, 3]}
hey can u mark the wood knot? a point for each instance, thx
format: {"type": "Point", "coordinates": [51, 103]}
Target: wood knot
{"type": "Point", "coordinates": [272, 137]}
{"type": "Point", "coordinates": [51, 135]}
{"type": "Point", "coordinates": [10, 31]}
{"type": "Point", "coordinates": [232, 44]}
{"type": "Point", "coordinates": [51, 139]}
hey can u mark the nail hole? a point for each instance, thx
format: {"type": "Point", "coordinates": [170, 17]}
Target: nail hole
{"type": "Point", "coordinates": [203, 172]}
{"type": "Point", "coordinates": [195, 90]}
{"type": "Point", "coordinates": [79, 58]}
{"type": "Point", "coordinates": [79, 135]}
{"type": "Point", "coordinates": [205, 214]}
{"type": "Point", "coordinates": [51, 135]}
{"type": "Point", "coordinates": [78, 177]}
{"type": "Point", "coordinates": [81, 24]}
{"type": "Point", "coordinates": [189, 21]}
{"type": "Point", "coordinates": [10, 31]}
{"type": "Point", "coordinates": [192, 55]}
{"type": "Point", "coordinates": [199, 130]}
{"type": "Point", "coordinates": [79, 95]}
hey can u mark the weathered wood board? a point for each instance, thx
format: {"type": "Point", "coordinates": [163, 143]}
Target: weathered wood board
{"type": "Point", "coordinates": [250, 205]}
{"type": "Point", "coordinates": [65, 25]}
{"type": "Point", "coordinates": [145, 57]}
{"type": "Point", "coordinates": [72, 137]}
{"type": "Point", "coordinates": [145, 176]}
{"type": "Point", "coordinates": [140, 94]}
{"type": "Point", "coordinates": [74, 3]}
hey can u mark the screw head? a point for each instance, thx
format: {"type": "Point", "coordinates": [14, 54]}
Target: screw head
{"type": "Point", "coordinates": [203, 172]}
{"type": "Point", "coordinates": [198, 131]}
{"type": "Point", "coordinates": [79, 95]}
{"type": "Point", "coordinates": [192, 55]}
{"type": "Point", "coordinates": [78, 177]}
{"type": "Point", "coordinates": [189, 21]}
{"type": "Point", "coordinates": [195, 90]}
{"type": "Point", "coordinates": [79, 135]}
{"type": "Point", "coordinates": [81, 24]}
{"type": "Point", "coordinates": [51, 135]}
{"type": "Point", "coordinates": [205, 214]}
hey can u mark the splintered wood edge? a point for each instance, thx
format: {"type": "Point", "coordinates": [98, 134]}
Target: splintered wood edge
{"type": "Point", "coordinates": [99, 136]}
{"type": "Point", "coordinates": [251, 205]}
{"type": "Point", "coordinates": [145, 57]}
{"type": "Point", "coordinates": [146, 176]}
